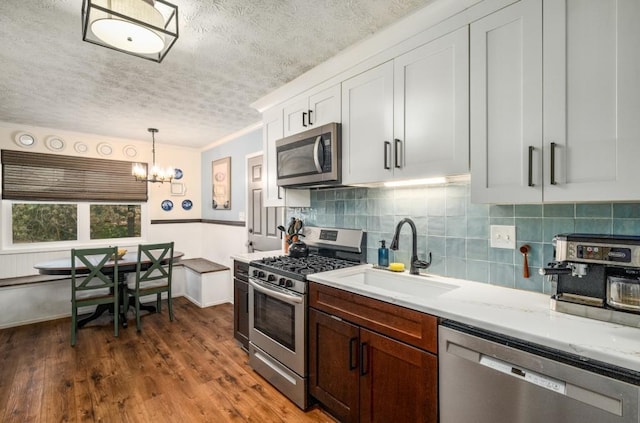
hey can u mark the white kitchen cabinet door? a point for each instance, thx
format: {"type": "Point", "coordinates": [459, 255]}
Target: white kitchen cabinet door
{"type": "Point", "coordinates": [309, 111]}
{"type": "Point", "coordinates": [506, 105]}
{"type": "Point", "coordinates": [367, 126]}
{"type": "Point", "coordinates": [272, 130]}
{"type": "Point", "coordinates": [431, 108]}
{"type": "Point", "coordinates": [293, 118]}
{"type": "Point", "coordinates": [325, 106]}
{"type": "Point", "coordinates": [592, 100]}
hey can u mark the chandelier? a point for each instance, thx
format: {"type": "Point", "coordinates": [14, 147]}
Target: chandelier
{"type": "Point", "coordinates": [157, 174]}
{"type": "Point", "coordinates": [143, 28]}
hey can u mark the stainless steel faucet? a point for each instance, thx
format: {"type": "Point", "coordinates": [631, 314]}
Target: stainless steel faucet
{"type": "Point", "coordinates": [415, 262]}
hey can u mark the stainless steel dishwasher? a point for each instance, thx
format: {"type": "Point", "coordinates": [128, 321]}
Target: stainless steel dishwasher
{"type": "Point", "coordinates": [489, 378]}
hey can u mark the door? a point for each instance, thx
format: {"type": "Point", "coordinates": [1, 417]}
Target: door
{"type": "Point", "coordinates": [431, 108]}
{"type": "Point", "coordinates": [399, 383]}
{"type": "Point", "coordinates": [262, 221]}
{"type": "Point", "coordinates": [334, 364]}
{"type": "Point", "coordinates": [307, 112]}
{"type": "Point", "coordinates": [506, 105]}
{"type": "Point", "coordinates": [367, 126]}
{"type": "Point", "coordinates": [591, 100]}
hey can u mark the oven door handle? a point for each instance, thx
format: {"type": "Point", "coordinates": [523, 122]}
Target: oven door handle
{"type": "Point", "coordinates": [291, 299]}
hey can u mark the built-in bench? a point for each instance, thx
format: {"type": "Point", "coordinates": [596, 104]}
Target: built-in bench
{"type": "Point", "coordinates": [30, 279]}
{"type": "Point", "coordinates": [207, 283]}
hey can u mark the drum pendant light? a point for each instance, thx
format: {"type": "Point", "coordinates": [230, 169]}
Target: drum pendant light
{"type": "Point", "coordinates": [143, 28]}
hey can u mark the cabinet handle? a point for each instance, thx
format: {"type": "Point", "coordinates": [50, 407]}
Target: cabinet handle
{"type": "Point", "coordinates": [310, 111]}
{"type": "Point", "coordinates": [279, 196]}
{"type": "Point", "coordinates": [304, 115]}
{"type": "Point", "coordinates": [552, 178]}
{"type": "Point", "coordinates": [387, 151]}
{"type": "Point", "coordinates": [246, 301]}
{"type": "Point", "coordinates": [353, 359]}
{"type": "Point", "coordinates": [531, 166]}
{"type": "Point", "coordinates": [364, 359]}
{"type": "Point", "coordinates": [398, 146]}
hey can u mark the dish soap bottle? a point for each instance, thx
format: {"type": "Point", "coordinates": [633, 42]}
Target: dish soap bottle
{"type": "Point", "coordinates": [383, 254]}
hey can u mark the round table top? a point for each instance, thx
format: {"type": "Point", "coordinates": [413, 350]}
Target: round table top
{"type": "Point", "coordinates": [63, 266]}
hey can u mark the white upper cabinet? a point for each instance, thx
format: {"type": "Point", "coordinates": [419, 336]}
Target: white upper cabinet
{"type": "Point", "coordinates": [506, 105]}
{"type": "Point", "coordinates": [573, 138]}
{"type": "Point", "coordinates": [367, 126]}
{"type": "Point", "coordinates": [408, 118]}
{"type": "Point", "coordinates": [309, 111]}
{"type": "Point", "coordinates": [431, 108]}
{"type": "Point", "coordinates": [592, 100]}
{"type": "Point", "coordinates": [275, 196]}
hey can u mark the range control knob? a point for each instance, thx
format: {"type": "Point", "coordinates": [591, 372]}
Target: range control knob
{"type": "Point", "coordinates": [261, 274]}
{"type": "Point", "coordinates": [255, 273]}
{"type": "Point", "coordinates": [281, 281]}
{"type": "Point", "coordinates": [289, 283]}
{"type": "Point", "coordinates": [271, 278]}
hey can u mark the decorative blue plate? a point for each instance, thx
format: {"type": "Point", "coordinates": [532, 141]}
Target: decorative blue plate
{"type": "Point", "coordinates": [187, 204]}
{"type": "Point", "coordinates": [179, 174]}
{"type": "Point", "coordinates": [167, 205]}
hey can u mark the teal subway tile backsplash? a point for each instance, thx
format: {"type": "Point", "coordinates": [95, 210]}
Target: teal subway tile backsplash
{"type": "Point", "coordinates": [457, 231]}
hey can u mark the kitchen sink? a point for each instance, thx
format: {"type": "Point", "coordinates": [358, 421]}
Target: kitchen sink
{"type": "Point", "coordinates": [418, 286]}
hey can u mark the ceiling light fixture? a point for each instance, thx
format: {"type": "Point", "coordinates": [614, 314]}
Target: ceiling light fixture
{"type": "Point", "coordinates": [157, 174]}
{"type": "Point", "coordinates": [143, 28]}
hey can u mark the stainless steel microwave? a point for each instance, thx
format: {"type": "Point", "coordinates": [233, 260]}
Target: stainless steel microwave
{"type": "Point", "coordinates": [310, 158]}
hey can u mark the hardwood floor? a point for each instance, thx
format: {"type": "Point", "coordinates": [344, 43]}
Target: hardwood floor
{"type": "Point", "coordinates": [189, 370]}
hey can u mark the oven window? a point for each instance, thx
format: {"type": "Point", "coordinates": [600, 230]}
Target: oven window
{"type": "Point", "coordinates": [275, 318]}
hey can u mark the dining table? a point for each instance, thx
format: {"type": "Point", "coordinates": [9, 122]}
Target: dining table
{"type": "Point", "coordinates": [127, 264]}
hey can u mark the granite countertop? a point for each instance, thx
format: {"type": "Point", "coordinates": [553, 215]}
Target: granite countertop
{"type": "Point", "coordinates": [520, 314]}
{"type": "Point", "coordinates": [256, 255]}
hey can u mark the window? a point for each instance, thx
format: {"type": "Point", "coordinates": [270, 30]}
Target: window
{"type": "Point", "coordinates": [44, 222]}
{"type": "Point", "coordinates": [115, 221]}
{"type": "Point", "coordinates": [51, 199]}
{"type": "Point", "coordinates": [40, 222]}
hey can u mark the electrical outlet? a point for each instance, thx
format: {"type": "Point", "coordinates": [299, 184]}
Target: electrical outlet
{"type": "Point", "coordinates": [503, 236]}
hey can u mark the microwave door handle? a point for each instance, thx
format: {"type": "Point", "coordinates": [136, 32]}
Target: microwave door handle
{"type": "Point", "coordinates": [316, 150]}
{"type": "Point", "coordinates": [291, 299]}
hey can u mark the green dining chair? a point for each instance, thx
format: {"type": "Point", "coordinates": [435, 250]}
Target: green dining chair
{"type": "Point", "coordinates": [92, 284]}
{"type": "Point", "coordinates": [153, 276]}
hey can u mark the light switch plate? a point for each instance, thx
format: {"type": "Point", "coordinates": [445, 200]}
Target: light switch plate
{"type": "Point", "coordinates": [503, 236]}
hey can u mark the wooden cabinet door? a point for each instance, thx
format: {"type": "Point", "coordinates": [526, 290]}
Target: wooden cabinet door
{"type": "Point", "coordinates": [506, 105]}
{"type": "Point", "coordinates": [431, 108]}
{"type": "Point", "coordinates": [334, 365]}
{"type": "Point", "coordinates": [592, 99]}
{"type": "Point", "coordinates": [241, 312]}
{"type": "Point", "coordinates": [399, 383]}
{"type": "Point", "coordinates": [367, 126]}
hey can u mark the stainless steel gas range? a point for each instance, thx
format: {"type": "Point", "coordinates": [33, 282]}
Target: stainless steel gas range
{"type": "Point", "coordinates": [278, 306]}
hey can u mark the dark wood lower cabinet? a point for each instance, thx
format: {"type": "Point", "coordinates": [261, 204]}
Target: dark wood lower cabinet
{"type": "Point", "coordinates": [362, 376]}
{"type": "Point", "coordinates": [334, 370]}
{"type": "Point", "coordinates": [241, 303]}
{"type": "Point", "coordinates": [398, 383]}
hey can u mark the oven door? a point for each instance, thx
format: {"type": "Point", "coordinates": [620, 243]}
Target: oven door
{"type": "Point", "coordinates": [277, 320]}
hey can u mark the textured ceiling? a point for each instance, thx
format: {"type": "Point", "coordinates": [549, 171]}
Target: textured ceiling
{"type": "Point", "coordinates": [229, 54]}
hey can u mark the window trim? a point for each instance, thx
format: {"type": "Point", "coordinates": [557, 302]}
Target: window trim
{"type": "Point", "coordinates": [84, 230]}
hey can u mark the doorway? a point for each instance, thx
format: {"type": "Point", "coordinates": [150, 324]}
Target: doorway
{"type": "Point", "coordinates": [262, 222]}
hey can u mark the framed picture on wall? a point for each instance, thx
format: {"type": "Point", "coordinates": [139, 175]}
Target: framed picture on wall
{"type": "Point", "coordinates": [221, 182]}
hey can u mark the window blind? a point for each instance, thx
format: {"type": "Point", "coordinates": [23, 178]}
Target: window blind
{"type": "Point", "coordinates": [37, 176]}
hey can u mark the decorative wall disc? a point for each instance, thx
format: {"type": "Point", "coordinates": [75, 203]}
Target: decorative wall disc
{"type": "Point", "coordinates": [54, 143]}
{"type": "Point", "coordinates": [129, 151]}
{"type": "Point", "coordinates": [80, 147]}
{"type": "Point", "coordinates": [104, 149]}
{"type": "Point", "coordinates": [25, 139]}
